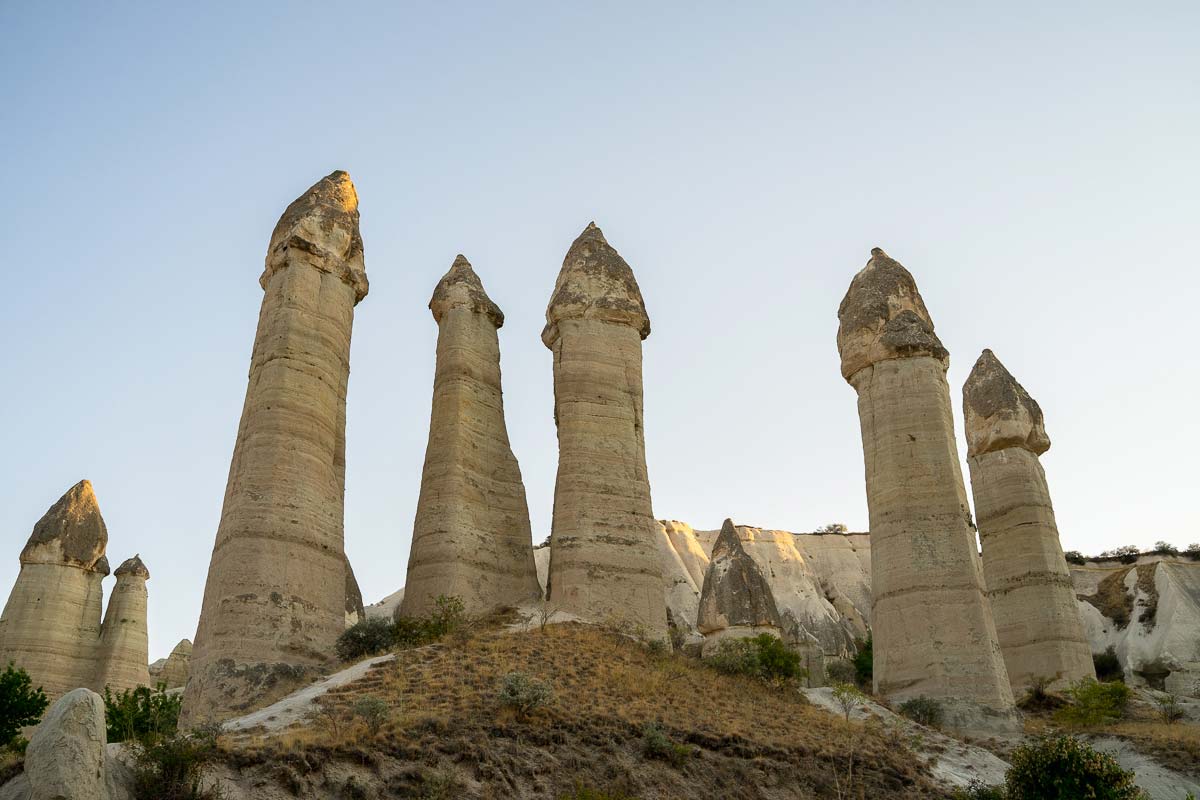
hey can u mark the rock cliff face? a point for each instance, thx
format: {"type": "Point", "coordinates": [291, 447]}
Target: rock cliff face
{"type": "Point", "coordinates": [51, 624]}
{"type": "Point", "coordinates": [173, 670]}
{"type": "Point", "coordinates": [934, 632]}
{"type": "Point", "coordinates": [471, 536]}
{"type": "Point", "coordinates": [124, 640]}
{"type": "Point", "coordinates": [1037, 620]}
{"type": "Point", "coordinates": [275, 599]}
{"type": "Point", "coordinates": [604, 561]}
{"type": "Point", "coordinates": [735, 599]}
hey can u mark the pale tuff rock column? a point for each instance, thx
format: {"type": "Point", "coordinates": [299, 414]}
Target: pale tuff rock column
{"type": "Point", "coordinates": [735, 601]}
{"type": "Point", "coordinates": [471, 536]}
{"type": "Point", "coordinates": [604, 561]}
{"type": "Point", "coordinates": [124, 640]}
{"type": "Point", "coordinates": [1033, 602]}
{"type": "Point", "coordinates": [275, 598]}
{"type": "Point", "coordinates": [354, 602]}
{"type": "Point", "coordinates": [51, 624]}
{"type": "Point", "coordinates": [932, 626]}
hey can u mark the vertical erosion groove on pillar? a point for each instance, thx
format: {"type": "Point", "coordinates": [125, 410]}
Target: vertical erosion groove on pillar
{"type": "Point", "coordinates": [51, 623]}
{"type": "Point", "coordinates": [275, 598]}
{"type": "Point", "coordinates": [931, 622]}
{"type": "Point", "coordinates": [604, 561]}
{"type": "Point", "coordinates": [124, 640]}
{"type": "Point", "coordinates": [471, 535]}
{"type": "Point", "coordinates": [1037, 618]}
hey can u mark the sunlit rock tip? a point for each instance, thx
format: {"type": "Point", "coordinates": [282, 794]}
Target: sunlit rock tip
{"type": "Point", "coordinates": [320, 228]}
{"type": "Point", "coordinates": [71, 532]}
{"type": "Point", "coordinates": [460, 287]}
{"type": "Point", "coordinates": [883, 317]}
{"type": "Point", "coordinates": [595, 283]}
{"type": "Point", "coordinates": [999, 412]}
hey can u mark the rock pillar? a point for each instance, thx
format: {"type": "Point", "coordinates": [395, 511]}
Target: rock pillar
{"type": "Point", "coordinates": [275, 598]}
{"type": "Point", "coordinates": [1033, 602]}
{"type": "Point", "coordinates": [736, 600]}
{"type": "Point", "coordinates": [471, 536]}
{"type": "Point", "coordinates": [51, 624]}
{"type": "Point", "coordinates": [933, 628]}
{"type": "Point", "coordinates": [604, 561]}
{"type": "Point", "coordinates": [124, 640]}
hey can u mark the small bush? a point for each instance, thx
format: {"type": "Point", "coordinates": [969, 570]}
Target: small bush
{"type": "Point", "coordinates": [447, 617]}
{"type": "Point", "coordinates": [978, 790]}
{"type": "Point", "coordinates": [764, 656]}
{"type": "Point", "coordinates": [833, 527]}
{"type": "Point", "coordinates": [923, 710]}
{"type": "Point", "coordinates": [20, 703]}
{"type": "Point", "coordinates": [1127, 554]}
{"type": "Point", "coordinates": [848, 697]}
{"type": "Point", "coordinates": [141, 714]}
{"type": "Point", "coordinates": [1165, 549]}
{"type": "Point", "coordinates": [368, 637]}
{"type": "Point", "coordinates": [841, 671]}
{"type": "Point", "coordinates": [373, 711]}
{"type": "Point", "coordinates": [1108, 666]}
{"type": "Point", "coordinates": [1192, 551]}
{"type": "Point", "coordinates": [523, 694]}
{"type": "Point", "coordinates": [1074, 557]}
{"type": "Point", "coordinates": [1169, 709]}
{"type": "Point", "coordinates": [657, 745]}
{"type": "Point", "coordinates": [171, 767]}
{"type": "Point", "coordinates": [1093, 703]}
{"type": "Point", "coordinates": [1064, 768]}
{"type": "Point", "coordinates": [864, 662]}
{"type": "Point", "coordinates": [1039, 698]}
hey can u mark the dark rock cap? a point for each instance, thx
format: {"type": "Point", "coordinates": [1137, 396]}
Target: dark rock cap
{"type": "Point", "coordinates": [320, 228]}
{"type": "Point", "coordinates": [883, 317]}
{"type": "Point", "coordinates": [997, 411]}
{"type": "Point", "coordinates": [71, 532]}
{"type": "Point", "coordinates": [595, 283]}
{"type": "Point", "coordinates": [461, 288]}
{"type": "Point", "coordinates": [735, 593]}
{"type": "Point", "coordinates": [133, 566]}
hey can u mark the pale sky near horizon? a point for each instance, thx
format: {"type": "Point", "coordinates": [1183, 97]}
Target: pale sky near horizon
{"type": "Point", "coordinates": [1035, 167]}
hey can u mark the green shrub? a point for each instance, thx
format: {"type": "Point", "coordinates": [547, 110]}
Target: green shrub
{"type": "Point", "coordinates": [523, 694]}
{"type": "Point", "coordinates": [1093, 703]}
{"type": "Point", "coordinates": [978, 790]}
{"type": "Point", "coordinates": [1064, 768]}
{"type": "Point", "coordinates": [848, 696]}
{"type": "Point", "coordinates": [171, 767]}
{"type": "Point", "coordinates": [924, 710]}
{"type": "Point", "coordinates": [1169, 709]}
{"type": "Point", "coordinates": [374, 711]}
{"type": "Point", "coordinates": [764, 656]}
{"type": "Point", "coordinates": [841, 671]}
{"type": "Point", "coordinates": [20, 703]}
{"type": "Point", "coordinates": [367, 637]}
{"type": "Point", "coordinates": [1108, 666]}
{"type": "Point", "coordinates": [140, 714]}
{"type": "Point", "coordinates": [1192, 551]}
{"type": "Point", "coordinates": [656, 744]}
{"type": "Point", "coordinates": [447, 616]}
{"type": "Point", "coordinates": [1074, 557]}
{"type": "Point", "coordinates": [1165, 549]}
{"type": "Point", "coordinates": [864, 662]}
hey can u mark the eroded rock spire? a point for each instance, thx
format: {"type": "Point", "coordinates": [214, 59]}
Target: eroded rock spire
{"type": "Point", "coordinates": [736, 600]}
{"type": "Point", "coordinates": [124, 639]}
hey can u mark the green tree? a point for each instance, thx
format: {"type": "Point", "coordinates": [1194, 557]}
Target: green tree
{"type": "Point", "coordinates": [864, 662]}
{"type": "Point", "coordinates": [1064, 768]}
{"type": "Point", "coordinates": [20, 703]}
{"type": "Point", "coordinates": [141, 713]}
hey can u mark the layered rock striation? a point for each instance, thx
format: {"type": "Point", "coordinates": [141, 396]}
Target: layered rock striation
{"type": "Point", "coordinates": [933, 629]}
{"type": "Point", "coordinates": [735, 601]}
{"type": "Point", "coordinates": [275, 598]}
{"type": "Point", "coordinates": [1033, 602]}
{"type": "Point", "coordinates": [604, 560]}
{"type": "Point", "coordinates": [124, 648]}
{"type": "Point", "coordinates": [471, 535]}
{"type": "Point", "coordinates": [51, 624]}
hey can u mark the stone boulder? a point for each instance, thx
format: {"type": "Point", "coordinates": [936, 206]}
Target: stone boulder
{"type": "Point", "coordinates": [66, 755]}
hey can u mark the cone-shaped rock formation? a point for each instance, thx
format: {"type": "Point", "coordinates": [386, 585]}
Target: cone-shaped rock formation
{"type": "Point", "coordinates": [735, 600]}
{"type": "Point", "coordinates": [604, 562]}
{"type": "Point", "coordinates": [51, 624]}
{"type": "Point", "coordinates": [933, 629]}
{"type": "Point", "coordinates": [471, 536]}
{"type": "Point", "coordinates": [275, 597]}
{"type": "Point", "coordinates": [173, 670]}
{"type": "Point", "coordinates": [1037, 619]}
{"type": "Point", "coordinates": [124, 640]}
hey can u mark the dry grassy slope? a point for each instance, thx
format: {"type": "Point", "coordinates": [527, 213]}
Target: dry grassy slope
{"type": "Point", "coordinates": [448, 737]}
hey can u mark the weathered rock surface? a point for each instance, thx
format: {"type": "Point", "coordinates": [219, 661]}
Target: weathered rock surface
{"type": "Point", "coordinates": [735, 600]}
{"type": "Point", "coordinates": [604, 561]}
{"type": "Point", "coordinates": [471, 536]}
{"type": "Point", "coordinates": [51, 623]}
{"type": "Point", "coordinates": [124, 638]}
{"type": "Point", "coordinates": [354, 601]}
{"type": "Point", "coordinates": [65, 759]}
{"type": "Point", "coordinates": [275, 599]}
{"type": "Point", "coordinates": [173, 670]}
{"type": "Point", "coordinates": [1033, 602]}
{"type": "Point", "coordinates": [933, 629]}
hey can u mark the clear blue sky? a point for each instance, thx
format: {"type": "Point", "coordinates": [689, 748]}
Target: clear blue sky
{"type": "Point", "coordinates": [1035, 168]}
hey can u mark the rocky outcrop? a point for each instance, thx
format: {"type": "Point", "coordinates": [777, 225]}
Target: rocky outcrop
{"type": "Point", "coordinates": [275, 599]}
{"type": "Point", "coordinates": [51, 623]}
{"type": "Point", "coordinates": [933, 629]}
{"type": "Point", "coordinates": [604, 560]}
{"type": "Point", "coordinates": [735, 600]}
{"type": "Point", "coordinates": [65, 759]}
{"type": "Point", "coordinates": [354, 601]}
{"type": "Point", "coordinates": [172, 671]}
{"type": "Point", "coordinates": [1033, 603]}
{"type": "Point", "coordinates": [471, 536]}
{"type": "Point", "coordinates": [124, 639]}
